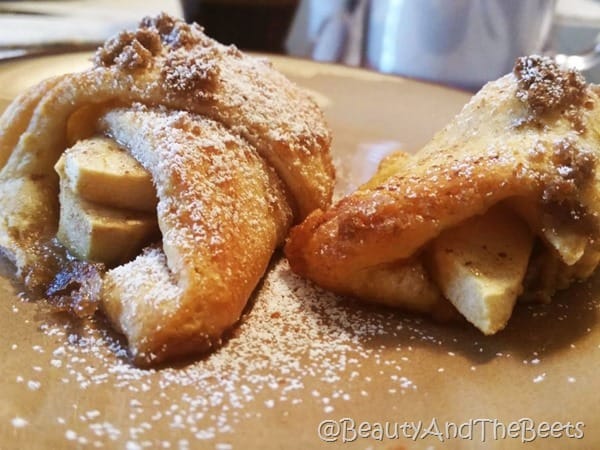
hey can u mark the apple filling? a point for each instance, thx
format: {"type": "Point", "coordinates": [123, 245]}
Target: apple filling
{"type": "Point", "coordinates": [107, 203]}
{"type": "Point", "coordinates": [483, 265]}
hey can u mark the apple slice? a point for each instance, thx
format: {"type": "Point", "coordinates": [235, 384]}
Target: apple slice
{"type": "Point", "coordinates": [564, 237]}
{"type": "Point", "coordinates": [100, 171]}
{"type": "Point", "coordinates": [95, 233]}
{"type": "Point", "coordinates": [480, 265]}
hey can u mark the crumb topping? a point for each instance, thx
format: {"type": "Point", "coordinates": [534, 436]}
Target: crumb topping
{"type": "Point", "coordinates": [546, 88]}
{"type": "Point", "coordinates": [573, 162]}
{"type": "Point", "coordinates": [159, 36]}
{"type": "Point", "coordinates": [174, 33]}
{"type": "Point", "coordinates": [183, 73]}
{"type": "Point", "coordinates": [183, 68]}
{"type": "Point", "coordinates": [128, 50]}
{"type": "Point", "coordinates": [574, 169]}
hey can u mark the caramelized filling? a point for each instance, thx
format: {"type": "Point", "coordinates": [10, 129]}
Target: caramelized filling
{"type": "Point", "coordinates": [107, 216]}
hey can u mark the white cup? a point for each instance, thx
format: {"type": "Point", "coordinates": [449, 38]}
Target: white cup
{"type": "Point", "coordinates": [462, 43]}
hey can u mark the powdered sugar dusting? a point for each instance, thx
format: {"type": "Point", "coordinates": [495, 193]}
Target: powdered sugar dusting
{"type": "Point", "coordinates": [293, 336]}
{"type": "Point", "coordinates": [187, 70]}
{"type": "Point", "coordinates": [298, 348]}
{"type": "Point", "coordinates": [19, 422]}
{"type": "Point", "coordinates": [222, 211]}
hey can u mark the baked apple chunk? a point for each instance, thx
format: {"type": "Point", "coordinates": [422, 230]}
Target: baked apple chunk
{"type": "Point", "coordinates": [107, 203]}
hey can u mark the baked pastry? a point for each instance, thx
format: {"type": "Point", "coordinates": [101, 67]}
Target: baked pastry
{"type": "Point", "coordinates": [503, 200]}
{"type": "Point", "coordinates": [233, 152]}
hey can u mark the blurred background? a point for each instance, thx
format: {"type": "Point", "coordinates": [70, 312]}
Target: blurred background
{"type": "Point", "coordinates": [460, 42]}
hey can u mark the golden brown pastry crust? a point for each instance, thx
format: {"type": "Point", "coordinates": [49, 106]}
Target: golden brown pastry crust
{"type": "Point", "coordinates": [167, 62]}
{"type": "Point", "coordinates": [222, 212]}
{"type": "Point", "coordinates": [271, 130]}
{"type": "Point", "coordinates": [502, 145]}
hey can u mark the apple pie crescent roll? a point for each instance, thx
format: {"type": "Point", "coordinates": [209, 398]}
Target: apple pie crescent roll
{"type": "Point", "coordinates": [158, 183]}
{"type": "Point", "coordinates": [502, 203]}
{"type": "Point", "coordinates": [221, 211]}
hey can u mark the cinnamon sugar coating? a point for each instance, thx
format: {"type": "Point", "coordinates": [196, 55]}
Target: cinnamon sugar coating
{"type": "Point", "coordinates": [478, 160]}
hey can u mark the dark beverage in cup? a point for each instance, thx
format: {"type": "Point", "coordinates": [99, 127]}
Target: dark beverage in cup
{"type": "Point", "coordinates": [259, 25]}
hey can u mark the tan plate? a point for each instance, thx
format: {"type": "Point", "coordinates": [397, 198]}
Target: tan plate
{"type": "Point", "coordinates": [301, 356]}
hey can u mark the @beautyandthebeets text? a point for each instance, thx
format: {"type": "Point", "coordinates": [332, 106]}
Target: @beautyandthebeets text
{"type": "Point", "coordinates": [484, 430]}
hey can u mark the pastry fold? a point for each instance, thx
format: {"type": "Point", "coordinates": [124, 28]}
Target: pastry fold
{"type": "Point", "coordinates": [526, 143]}
{"type": "Point", "coordinates": [236, 152]}
{"type": "Point", "coordinates": [222, 210]}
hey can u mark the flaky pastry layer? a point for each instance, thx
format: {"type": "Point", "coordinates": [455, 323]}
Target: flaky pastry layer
{"type": "Point", "coordinates": [533, 135]}
{"type": "Point", "coordinates": [236, 151]}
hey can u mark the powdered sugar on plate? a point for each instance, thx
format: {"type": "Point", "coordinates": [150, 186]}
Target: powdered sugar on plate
{"type": "Point", "coordinates": [293, 336]}
{"type": "Point", "coordinates": [297, 348]}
